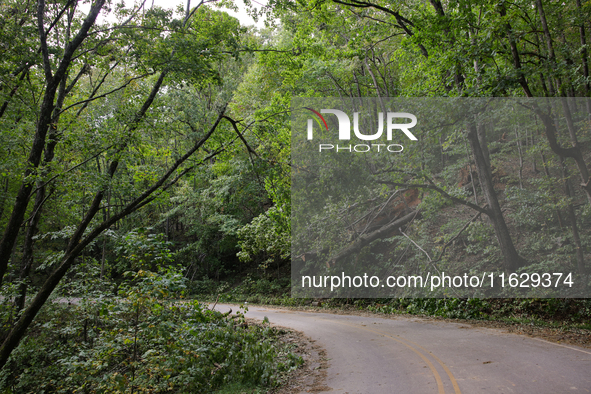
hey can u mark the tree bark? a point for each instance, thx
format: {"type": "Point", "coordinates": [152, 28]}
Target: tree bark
{"type": "Point", "coordinates": [583, 39]}
{"type": "Point", "coordinates": [572, 217]}
{"type": "Point", "coordinates": [27, 259]}
{"type": "Point", "coordinates": [368, 238]}
{"type": "Point", "coordinates": [515, 55]}
{"type": "Point", "coordinates": [375, 84]}
{"type": "Point", "coordinates": [3, 197]}
{"type": "Point", "coordinates": [512, 260]}
{"type": "Point", "coordinates": [52, 83]}
{"type": "Point", "coordinates": [573, 152]}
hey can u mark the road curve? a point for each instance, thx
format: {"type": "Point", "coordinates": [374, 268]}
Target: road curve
{"type": "Point", "coordinates": [410, 355]}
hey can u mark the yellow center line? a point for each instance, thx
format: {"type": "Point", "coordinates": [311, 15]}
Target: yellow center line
{"type": "Point", "coordinates": [454, 382]}
{"type": "Point", "coordinates": [404, 341]}
{"type": "Point", "coordinates": [425, 359]}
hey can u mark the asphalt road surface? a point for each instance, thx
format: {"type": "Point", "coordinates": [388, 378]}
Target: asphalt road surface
{"type": "Point", "coordinates": [408, 355]}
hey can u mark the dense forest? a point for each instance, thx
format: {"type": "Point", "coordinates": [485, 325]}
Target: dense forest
{"type": "Point", "coordinates": [146, 156]}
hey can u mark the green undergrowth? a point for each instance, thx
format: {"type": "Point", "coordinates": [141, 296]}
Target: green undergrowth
{"type": "Point", "coordinates": [253, 289]}
{"type": "Point", "coordinates": [146, 341]}
{"type": "Point", "coordinates": [241, 388]}
{"type": "Point", "coordinates": [546, 312]}
{"type": "Point", "coordinates": [551, 312]}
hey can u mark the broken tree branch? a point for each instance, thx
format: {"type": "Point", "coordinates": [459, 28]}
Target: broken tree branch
{"type": "Point", "coordinates": [377, 234]}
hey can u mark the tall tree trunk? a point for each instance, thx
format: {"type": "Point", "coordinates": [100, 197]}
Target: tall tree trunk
{"type": "Point", "coordinates": [481, 132]}
{"type": "Point", "coordinates": [550, 128]}
{"type": "Point", "coordinates": [3, 197]}
{"type": "Point", "coordinates": [583, 39]}
{"type": "Point", "coordinates": [375, 84]}
{"type": "Point", "coordinates": [27, 259]}
{"type": "Point", "coordinates": [515, 54]}
{"type": "Point", "coordinates": [549, 44]}
{"type": "Point", "coordinates": [52, 81]}
{"type": "Point", "coordinates": [547, 172]}
{"type": "Point", "coordinates": [519, 150]}
{"type": "Point", "coordinates": [554, 201]}
{"type": "Point", "coordinates": [106, 217]}
{"type": "Point", "coordinates": [472, 179]}
{"type": "Point", "coordinates": [584, 60]}
{"type": "Point", "coordinates": [14, 90]}
{"type": "Point", "coordinates": [572, 217]}
{"type": "Point", "coordinates": [573, 152]}
{"type": "Point", "coordinates": [511, 259]}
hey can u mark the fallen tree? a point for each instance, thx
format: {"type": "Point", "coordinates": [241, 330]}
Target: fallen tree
{"type": "Point", "coordinates": [364, 240]}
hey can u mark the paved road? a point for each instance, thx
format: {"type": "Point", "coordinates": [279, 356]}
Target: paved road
{"type": "Point", "coordinates": [372, 355]}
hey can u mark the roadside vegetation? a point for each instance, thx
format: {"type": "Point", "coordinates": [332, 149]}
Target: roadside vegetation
{"type": "Point", "coordinates": [566, 312]}
{"type": "Point", "coordinates": [147, 339]}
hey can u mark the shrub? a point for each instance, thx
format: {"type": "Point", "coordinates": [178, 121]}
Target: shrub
{"type": "Point", "coordinates": [144, 342]}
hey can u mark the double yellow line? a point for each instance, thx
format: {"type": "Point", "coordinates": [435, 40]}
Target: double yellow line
{"type": "Point", "coordinates": [408, 343]}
